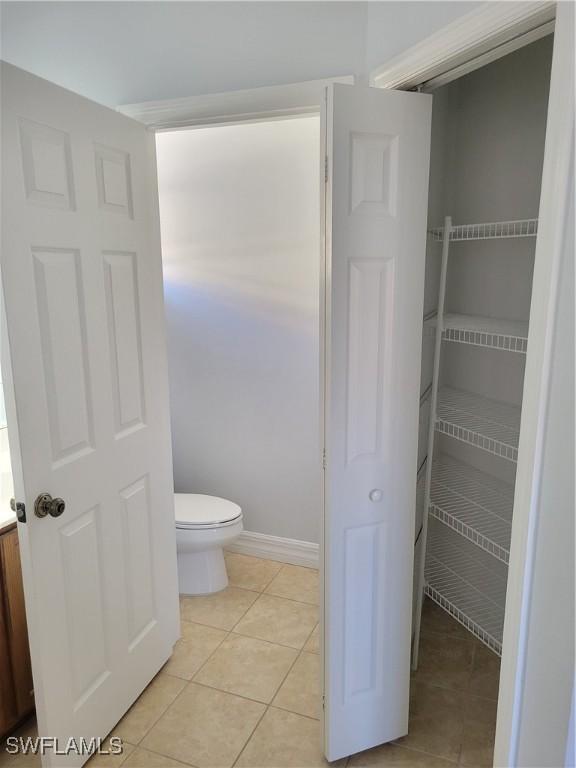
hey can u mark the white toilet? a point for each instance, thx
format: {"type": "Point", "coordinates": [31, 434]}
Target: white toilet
{"type": "Point", "coordinates": [204, 525]}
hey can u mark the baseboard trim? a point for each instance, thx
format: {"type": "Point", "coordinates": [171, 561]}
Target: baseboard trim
{"type": "Point", "coordinates": [278, 548]}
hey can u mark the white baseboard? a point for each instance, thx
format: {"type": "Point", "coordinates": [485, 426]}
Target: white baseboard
{"type": "Point", "coordinates": [277, 548]}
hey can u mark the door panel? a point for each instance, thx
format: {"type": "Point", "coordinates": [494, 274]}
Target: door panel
{"type": "Point", "coordinates": [87, 401]}
{"type": "Point", "coordinates": [377, 148]}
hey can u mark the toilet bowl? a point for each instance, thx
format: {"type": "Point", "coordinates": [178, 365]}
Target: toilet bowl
{"type": "Point", "coordinates": [204, 525]}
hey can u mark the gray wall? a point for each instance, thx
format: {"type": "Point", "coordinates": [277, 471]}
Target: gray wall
{"type": "Point", "coordinates": [240, 238]}
{"type": "Point", "coordinates": [488, 132]}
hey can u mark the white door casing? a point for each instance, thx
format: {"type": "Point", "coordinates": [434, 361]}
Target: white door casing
{"type": "Point", "coordinates": [87, 401]}
{"type": "Point", "coordinates": [377, 145]}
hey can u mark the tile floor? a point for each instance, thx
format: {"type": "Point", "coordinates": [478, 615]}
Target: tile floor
{"type": "Point", "coordinates": [242, 687]}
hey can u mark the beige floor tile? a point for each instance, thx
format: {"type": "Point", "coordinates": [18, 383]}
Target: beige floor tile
{"type": "Point", "coordinates": [479, 732]}
{"type": "Point", "coordinates": [296, 583]}
{"type": "Point", "coordinates": [394, 756]}
{"type": "Point", "coordinates": [300, 692]}
{"type": "Point", "coordinates": [112, 760]}
{"type": "Point", "coordinates": [313, 642]}
{"type": "Point", "coordinates": [146, 710]}
{"type": "Point", "coordinates": [142, 758]}
{"type": "Point", "coordinates": [247, 667]}
{"type": "Point", "coordinates": [221, 610]}
{"type": "Point", "coordinates": [436, 619]}
{"type": "Point", "coordinates": [194, 647]}
{"type": "Point", "coordinates": [445, 661]}
{"type": "Point", "coordinates": [250, 572]}
{"type": "Point", "coordinates": [284, 740]}
{"type": "Point", "coordinates": [478, 744]}
{"type": "Point", "coordinates": [436, 721]}
{"type": "Point", "coordinates": [485, 675]}
{"type": "Point", "coordinates": [20, 760]}
{"type": "Point", "coordinates": [481, 710]}
{"type": "Point", "coordinates": [204, 727]}
{"type": "Point", "coordinates": [285, 622]}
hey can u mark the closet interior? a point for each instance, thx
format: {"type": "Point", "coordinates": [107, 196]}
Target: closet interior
{"type": "Point", "coordinates": [488, 131]}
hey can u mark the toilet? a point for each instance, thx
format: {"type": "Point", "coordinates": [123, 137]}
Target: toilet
{"type": "Point", "coordinates": [204, 526]}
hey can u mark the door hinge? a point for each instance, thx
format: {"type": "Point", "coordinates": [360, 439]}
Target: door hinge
{"type": "Point", "coordinates": [326, 169]}
{"type": "Point", "coordinates": [324, 459]}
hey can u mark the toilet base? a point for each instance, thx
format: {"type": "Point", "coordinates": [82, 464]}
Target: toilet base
{"type": "Point", "coordinates": [202, 573]}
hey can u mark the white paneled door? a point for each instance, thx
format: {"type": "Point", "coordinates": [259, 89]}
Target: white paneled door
{"type": "Point", "coordinates": [87, 402]}
{"type": "Point", "coordinates": [377, 145]}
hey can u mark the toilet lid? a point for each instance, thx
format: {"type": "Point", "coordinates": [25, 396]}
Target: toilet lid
{"type": "Point", "coordinates": [198, 509]}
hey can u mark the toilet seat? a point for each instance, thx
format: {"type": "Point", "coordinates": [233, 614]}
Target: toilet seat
{"type": "Point", "coordinates": [197, 511]}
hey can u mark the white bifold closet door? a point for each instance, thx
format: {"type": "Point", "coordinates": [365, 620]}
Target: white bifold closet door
{"type": "Point", "coordinates": [87, 403]}
{"type": "Point", "coordinates": [377, 146]}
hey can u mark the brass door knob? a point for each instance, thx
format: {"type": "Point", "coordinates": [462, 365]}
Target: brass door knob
{"type": "Point", "coordinates": [46, 505]}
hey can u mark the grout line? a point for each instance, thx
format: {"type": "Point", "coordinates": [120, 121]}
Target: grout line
{"type": "Point", "coordinates": [183, 763]}
{"type": "Point", "coordinates": [249, 737]}
{"type": "Point", "coordinates": [423, 752]}
{"type": "Point", "coordinates": [291, 599]}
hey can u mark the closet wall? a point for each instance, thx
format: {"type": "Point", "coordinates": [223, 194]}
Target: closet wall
{"type": "Point", "coordinates": [488, 131]}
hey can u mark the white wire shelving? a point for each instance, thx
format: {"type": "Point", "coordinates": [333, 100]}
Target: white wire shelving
{"type": "Point", "coordinates": [474, 504]}
{"type": "Point", "coordinates": [470, 588]}
{"type": "Point", "coordinates": [493, 230]}
{"type": "Point", "coordinates": [467, 519]}
{"type": "Point", "coordinates": [506, 335]}
{"type": "Point", "coordinates": [488, 424]}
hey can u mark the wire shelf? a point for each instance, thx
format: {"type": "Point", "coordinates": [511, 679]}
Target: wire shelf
{"type": "Point", "coordinates": [487, 424]}
{"type": "Point", "coordinates": [506, 335]}
{"type": "Point", "coordinates": [475, 505]}
{"type": "Point", "coordinates": [488, 231]}
{"type": "Point", "coordinates": [452, 569]}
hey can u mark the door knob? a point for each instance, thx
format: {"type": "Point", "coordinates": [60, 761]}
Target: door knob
{"type": "Point", "coordinates": [46, 505]}
{"type": "Point", "coordinates": [375, 495]}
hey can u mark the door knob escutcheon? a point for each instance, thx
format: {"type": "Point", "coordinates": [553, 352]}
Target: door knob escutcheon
{"type": "Point", "coordinates": [46, 505]}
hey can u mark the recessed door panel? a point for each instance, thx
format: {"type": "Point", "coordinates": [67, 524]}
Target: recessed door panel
{"type": "Point", "coordinates": [61, 313]}
{"type": "Point", "coordinates": [138, 560]}
{"type": "Point", "coordinates": [364, 556]}
{"type": "Point", "coordinates": [124, 331]}
{"type": "Point", "coordinates": [370, 317]}
{"type": "Point", "coordinates": [47, 165]}
{"type": "Point", "coordinates": [86, 626]}
{"type": "Point", "coordinates": [114, 180]}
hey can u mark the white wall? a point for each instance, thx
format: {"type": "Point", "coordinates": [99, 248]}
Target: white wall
{"type": "Point", "coordinates": [121, 52]}
{"type": "Point", "coordinates": [240, 240]}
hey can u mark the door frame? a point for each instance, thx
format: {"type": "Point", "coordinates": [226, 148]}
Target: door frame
{"type": "Point", "coordinates": [482, 36]}
{"type": "Point", "coordinates": [472, 41]}
{"type": "Point", "coordinates": [276, 102]}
